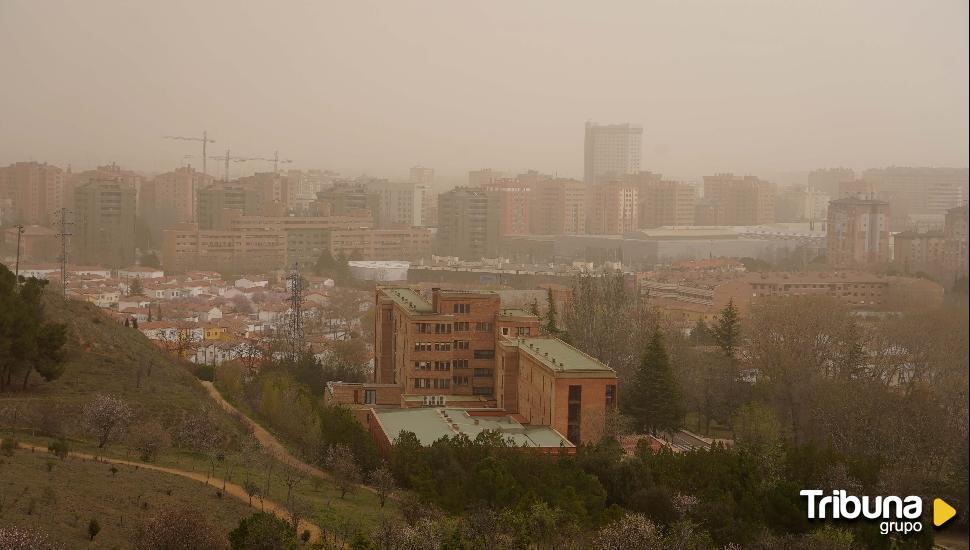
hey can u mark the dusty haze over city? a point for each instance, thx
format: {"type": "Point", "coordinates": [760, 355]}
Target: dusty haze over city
{"type": "Point", "coordinates": [762, 87]}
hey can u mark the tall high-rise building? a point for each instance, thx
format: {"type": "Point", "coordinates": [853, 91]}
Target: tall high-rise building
{"type": "Point", "coordinates": [558, 207]}
{"type": "Point", "coordinates": [740, 200]}
{"type": "Point", "coordinates": [424, 177]}
{"type": "Point", "coordinates": [612, 208]}
{"type": "Point", "coordinates": [468, 223]}
{"type": "Point", "coordinates": [513, 199]}
{"type": "Point", "coordinates": [611, 151]}
{"type": "Point", "coordinates": [36, 192]}
{"type": "Point", "coordinates": [857, 233]}
{"type": "Point", "coordinates": [170, 198]}
{"type": "Point", "coordinates": [799, 203]}
{"type": "Point", "coordinates": [104, 227]}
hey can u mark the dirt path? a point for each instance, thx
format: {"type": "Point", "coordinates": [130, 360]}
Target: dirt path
{"type": "Point", "coordinates": [231, 488]}
{"type": "Point", "coordinates": [270, 444]}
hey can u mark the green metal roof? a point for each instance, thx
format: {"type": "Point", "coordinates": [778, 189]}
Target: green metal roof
{"type": "Point", "coordinates": [430, 424]}
{"type": "Point", "coordinates": [560, 356]}
{"type": "Point", "coordinates": [408, 299]}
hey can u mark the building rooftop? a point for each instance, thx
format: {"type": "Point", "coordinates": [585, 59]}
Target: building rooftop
{"type": "Point", "coordinates": [515, 312]}
{"type": "Point", "coordinates": [408, 299]}
{"type": "Point", "coordinates": [430, 424]}
{"type": "Point", "coordinates": [561, 357]}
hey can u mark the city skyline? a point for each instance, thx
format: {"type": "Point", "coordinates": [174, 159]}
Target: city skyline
{"type": "Point", "coordinates": [825, 93]}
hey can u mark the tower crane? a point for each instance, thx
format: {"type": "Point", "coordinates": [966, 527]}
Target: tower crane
{"type": "Point", "coordinates": [228, 157]}
{"type": "Point", "coordinates": [204, 139]}
{"type": "Point", "coordinates": [276, 160]}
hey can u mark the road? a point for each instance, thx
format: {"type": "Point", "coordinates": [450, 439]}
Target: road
{"type": "Point", "coordinates": [231, 488]}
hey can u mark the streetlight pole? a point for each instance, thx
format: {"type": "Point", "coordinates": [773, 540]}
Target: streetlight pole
{"type": "Point", "coordinates": [20, 232]}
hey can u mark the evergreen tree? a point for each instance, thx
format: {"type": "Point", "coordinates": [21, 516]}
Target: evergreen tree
{"type": "Point", "coordinates": [700, 335]}
{"type": "Point", "coordinates": [727, 331]}
{"type": "Point", "coordinates": [552, 326]}
{"type": "Point", "coordinates": [135, 288]}
{"type": "Point", "coordinates": [655, 400]}
{"type": "Point", "coordinates": [325, 263]}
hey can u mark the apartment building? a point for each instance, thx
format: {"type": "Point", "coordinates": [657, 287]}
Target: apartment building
{"type": "Point", "coordinates": [36, 192]}
{"type": "Point", "coordinates": [663, 202]}
{"type": "Point", "coordinates": [170, 198]}
{"type": "Point", "coordinates": [919, 252]}
{"type": "Point", "coordinates": [513, 202]}
{"type": "Point", "coordinates": [857, 233]}
{"type": "Point", "coordinates": [955, 233]}
{"type": "Point", "coordinates": [400, 204]}
{"type": "Point", "coordinates": [468, 223]}
{"type": "Point", "coordinates": [612, 208]}
{"type": "Point", "coordinates": [350, 198]}
{"type": "Point", "coordinates": [220, 201]}
{"type": "Point", "coordinates": [740, 200]}
{"type": "Point", "coordinates": [557, 207]}
{"type": "Point", "coordinates": [827, 180]}
{"type": "Point", "coordinates": [104, 223]}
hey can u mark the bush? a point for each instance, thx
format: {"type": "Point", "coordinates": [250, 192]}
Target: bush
{"type": "Point", "coordinates": [93, 528]}
{"type": "Point", "coordinates": [177, 529]}
{"type": "Point", "coordinates": [263, 530]}
{"type": "Point", "coordinates": [205, 372]}
{"type": "Point", "coordinates": [8, 446]}
{"type": "Point", "coordinates": [59, 448]}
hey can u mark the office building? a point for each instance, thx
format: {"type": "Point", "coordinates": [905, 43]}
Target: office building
{"type": "Point", "coordinates": [857, 233]}
{"type": "Point", "coordinates": [611, 151]}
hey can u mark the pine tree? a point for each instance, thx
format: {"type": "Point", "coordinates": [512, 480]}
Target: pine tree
{"type": "Point", "coordinates": [552, 327]}
{"type": "Point", "coordinates": [700, 335]}
{"type": "Point", "coordinates": [655, 400]}
{"type": "Point", "coordinates": [727, 331]}
{"type": "Point", "coordinates": [135, 288]}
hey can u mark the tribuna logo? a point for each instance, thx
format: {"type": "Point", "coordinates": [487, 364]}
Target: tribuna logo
{"type": "Point", "coordinates": [898, 514]}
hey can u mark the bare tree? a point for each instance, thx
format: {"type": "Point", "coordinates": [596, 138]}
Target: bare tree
{"type": "Point", "coordinates": [106, 417]}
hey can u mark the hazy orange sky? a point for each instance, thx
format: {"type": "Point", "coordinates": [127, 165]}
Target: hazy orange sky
{"type": "Point", "coordinates": [719, 85]}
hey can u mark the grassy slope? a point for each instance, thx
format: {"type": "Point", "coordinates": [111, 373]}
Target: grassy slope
{"type": "Point", "coordinates": [85, 489]}
{"type": "Point", "coordinates": [102, 357]}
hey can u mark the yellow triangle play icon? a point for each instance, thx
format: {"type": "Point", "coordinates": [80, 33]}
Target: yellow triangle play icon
{"type": "Point", "coordinates": [942, 512]}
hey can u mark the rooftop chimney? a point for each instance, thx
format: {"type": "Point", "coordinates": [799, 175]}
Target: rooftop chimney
{"type": "Point", "coordinates": [435, 299]}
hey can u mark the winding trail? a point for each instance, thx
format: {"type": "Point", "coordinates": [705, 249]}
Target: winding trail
{"type": "Point", "coordinates": [270, 444]}
{"type": "Point", "coordinates": [231, 488]}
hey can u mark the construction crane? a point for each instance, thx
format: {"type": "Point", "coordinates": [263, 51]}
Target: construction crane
{"type": "Point", "coordinates": [226, 158]}
{"type": "Point", "coordinates": [276, 160]}
{"type": "Point", "coordinates": [204, 139]}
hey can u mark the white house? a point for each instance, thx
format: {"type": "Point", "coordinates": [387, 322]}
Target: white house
{"type": "Point", "coordinates": [139, 272]}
